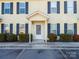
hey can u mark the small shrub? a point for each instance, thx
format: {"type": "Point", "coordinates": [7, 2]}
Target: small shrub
{"type": "Point", "coordinates": [25, 37]}
{"type": "Point", "coordinates": [76, 38]}
{"type": "Point", "coordinates": [11, 38]}
{"type": "Point", "coordinates": [52, 37]}
{"type": "Point", "coordinates": [66, 38]}
{"type": "Point", "coordinates": [2, 37]}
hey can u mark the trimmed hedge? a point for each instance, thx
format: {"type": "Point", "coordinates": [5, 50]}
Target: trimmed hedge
{"type": "Point", "coordinates": [76, 38]}
{"type": "Point", "coordinates": [3, 38]}
{"type": "Point", "coordinates": [23, 37]}
{"type": "Point", "coordinates": [11, 38]}
{"type": "Point", "coordinates": [66, 38]}
{"type": "Point", "coordinates": [52, 37]}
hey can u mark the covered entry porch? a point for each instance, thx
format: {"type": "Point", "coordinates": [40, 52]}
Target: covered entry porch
{"type": "Point", "coordinates": [38, 26]}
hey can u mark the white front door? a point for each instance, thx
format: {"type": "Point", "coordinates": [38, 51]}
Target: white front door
{"type": "Point", "coordinates": [39, 31]}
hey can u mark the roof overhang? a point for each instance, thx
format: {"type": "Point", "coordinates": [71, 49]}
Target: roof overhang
{"type": "Point", "coordinates": [37, 15]}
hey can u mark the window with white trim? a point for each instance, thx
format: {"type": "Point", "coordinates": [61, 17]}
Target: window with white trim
{"type": "Point", "coordinates": [53, 28]}
{"type": "Point", "coordinates": [7, 28]}
{"type": "Point", "coordinates": [22, 28]}
{"type": "Point", "coordinates": [22, 8]}
{"type": "Point", "coordinates": [53, 7]}
{"type": "Point", "coordinates": [70, 29]}
{"type": "Point", "coordinates": [7, 8]}
{"type": "Point", "coordinates": [70, 7]}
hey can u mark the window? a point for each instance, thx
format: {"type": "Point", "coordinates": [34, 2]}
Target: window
{"type": "Point", "coordinates": [22, 8]}
{"type": "Point", "coordinates": [22, 27]}
{"type": "Point", "coordinates": [53, 7]}
{"type": "Point", "coordinates": [7, 28]}
{"type": "Point", "coordinates": [53, 28]}
{"type": "Point", "coordinates": [7, 8]}
{"type": "Point", "coordinates": [70, 29]}
{"type": "Point", "coordinates": [70, 7]}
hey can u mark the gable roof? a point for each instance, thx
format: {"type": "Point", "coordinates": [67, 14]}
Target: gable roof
{"type": "Point", "coordinates": [36, 13]}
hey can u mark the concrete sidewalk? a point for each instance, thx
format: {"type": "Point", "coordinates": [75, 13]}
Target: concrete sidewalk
{"type": "Point", "coordinates": [49, 45]}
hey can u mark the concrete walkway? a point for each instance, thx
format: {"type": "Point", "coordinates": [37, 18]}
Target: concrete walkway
{"type": "Point", "coordinates": [52, 45]}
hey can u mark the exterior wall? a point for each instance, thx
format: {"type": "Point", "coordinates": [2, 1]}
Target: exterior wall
{"type": "Point", "coordinates": [40, 5]}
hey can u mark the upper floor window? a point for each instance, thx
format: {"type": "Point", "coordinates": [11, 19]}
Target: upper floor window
{"type": "Point", "coordinates": [54, 7]}
{"type": "Point", "coordinates": [70, 6]}
{"type": "Point", "coordinates": [7, 8]}
{"type": "Point", "coordinates": [22, 8]}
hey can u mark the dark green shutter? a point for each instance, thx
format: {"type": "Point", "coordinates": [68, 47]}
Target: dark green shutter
{"type": "Point", "coordinates": [58, 29]}
{"type": "Point", "coordinates": [49, 28]}
{"type": "Point", "coordinates": [49, 7]}
{"type": "Point", "coordinates": [17, 7]}
{"type": "Point", "coordinates": [27, 9]}
{"type": "Point", "coordinates": [11, 28]}
{"type": "Point", "coordinates": [75, 28]}
{"type": "Point", "coordinates": [2, 28]}
{"type": "Point", "coordinates": [11, 8]}
{"type": "Point", "coordinates": [58, 6]}
{"type": "Point", "coordinates": [26, 28]}
{"type": "Point", "coordinates": [65, 6]}
{"type": "Point", "coordinates": [75, 6]}
{"type": "Point", "coordinates": [65, 28]}
{"type": "Point", "coordinates": [17, 29]}
{"type": "Point", "coordinates": [2, 8]}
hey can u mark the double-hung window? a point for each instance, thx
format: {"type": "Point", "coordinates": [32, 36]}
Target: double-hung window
{"type": "Point", "coordinates": [7, 28]}
{"type": "Point", "coordinates": [7, 8]}
{"type": "Point", "coordinates": [53, 28]}
{"type": "Point", "coordinates": [70, 29]}
{"type": "Point", "coordinates": [70, 7]}
{"type": "Point", "coordinates": [53, 7]}
{"type": "Point", "coordinates": [22, 8]}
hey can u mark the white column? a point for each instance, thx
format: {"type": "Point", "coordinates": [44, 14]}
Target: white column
{"type": "Point", "coordinates": [29, 31]}
{"type": "Point", "coordinates": [46, 31]}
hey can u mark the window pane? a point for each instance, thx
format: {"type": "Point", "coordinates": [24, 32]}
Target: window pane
{"type": "Point", "coordinates": [7, 11]}
{"type": "Point", "coordinates": [6, 8]}
{"type": "Point", "coordinates": [70, 26]}
{"type": "Point", "coordinates": [7, 28]}
{"type": "Point", "coordinates": [22, 5]}
{"type": "Point", "coordinates": [6, 5]}
{"type": "Point", "coordinates": [22, 10]}
{"type": "Point", "coordinates": [70, 6]}
{"type": "Point", "coordinates": [53, 7]}
{"type": "Point", "coordinates": [70, 29]}
{"type": "Point", "coordinates": [69, 32]}
{"type": "Point", "coordinates": [54, 28]}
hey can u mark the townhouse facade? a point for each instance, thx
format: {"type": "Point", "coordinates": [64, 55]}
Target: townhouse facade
{"type": "Point", "coordinates": [39, 17]}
